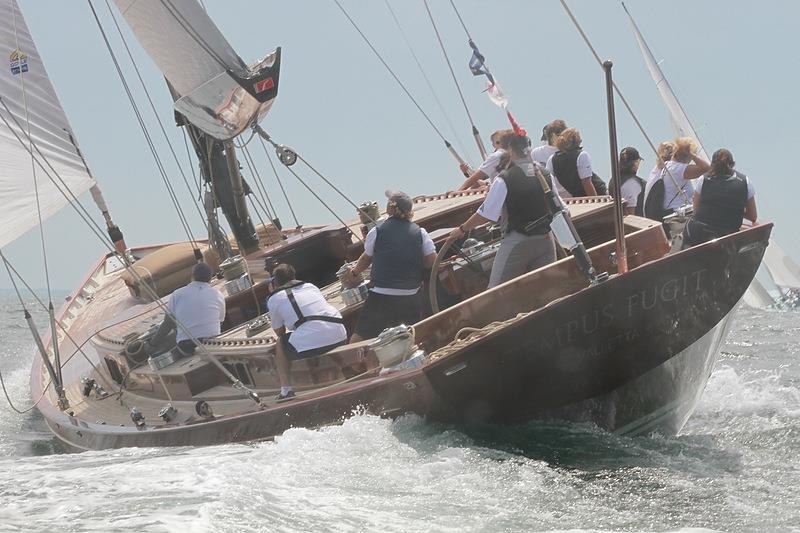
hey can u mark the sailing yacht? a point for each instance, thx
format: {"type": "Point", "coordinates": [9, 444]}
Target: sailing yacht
{"type": "Point", "coordinates": [582, 339]}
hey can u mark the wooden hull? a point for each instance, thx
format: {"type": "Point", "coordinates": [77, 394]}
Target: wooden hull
{"type": "Point", "coordinates": [630, 355]}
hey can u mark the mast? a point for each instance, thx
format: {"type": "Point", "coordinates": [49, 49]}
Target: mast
{"type": "Point", "coordinates": [619, 226]}
{"type": "Point", "coordinates": [217, 95]}
{"type": "Point", "coordinates": [220, 170]}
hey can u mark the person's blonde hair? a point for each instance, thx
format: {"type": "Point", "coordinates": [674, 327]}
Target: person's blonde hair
{"type": "Point", "coordinates": [665, 152]}
{"type": "Point", "coordinates": [568, 139]}
{"type": "Point", "coordinates": [684, 148]}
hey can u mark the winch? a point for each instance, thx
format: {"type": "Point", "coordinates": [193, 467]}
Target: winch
{"type": "Point", "coordinates": [394, 345]}
{"type": "Point", "coordinates": [233, 268]}
{"type": "Point", "coordinates": [675, 222]}
{"type": "Point", "coordinates": [356, 294]}
{"type": "Point", "coordinates": [368, 213]}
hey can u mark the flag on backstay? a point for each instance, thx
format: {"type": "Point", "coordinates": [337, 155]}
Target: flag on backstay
{"type": "Point", "coordinates": [477, 64]}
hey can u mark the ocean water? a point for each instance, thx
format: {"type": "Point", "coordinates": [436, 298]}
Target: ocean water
{"type": "Point", "coordinates": [734, 467]}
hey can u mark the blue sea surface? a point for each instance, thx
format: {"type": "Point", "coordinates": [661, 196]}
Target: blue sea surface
{"type": "Point", "coordinates": [734, 467]}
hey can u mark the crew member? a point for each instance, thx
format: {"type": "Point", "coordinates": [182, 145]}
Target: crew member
{"type": "Point", "coordinates": [550, 133]}
{"type": "Point", "coordinates": [305, 323]}
{"type": "Point", "coordinates": [632, 188]}
{"type": "Point", "coordinates": [571, 166]}
{"type": "Point", "coordinates": [198, 308]}
{"type": "Point", "coordinates": [399, 251]}
{"type": "Point", "coordinates": [527, 242]}
{"type": "Point", "coordinates": [488, 169]}
{"type": "Point", "coordinates": [721, 200]}
{"type": "Point", "coordinates": [674, 177]}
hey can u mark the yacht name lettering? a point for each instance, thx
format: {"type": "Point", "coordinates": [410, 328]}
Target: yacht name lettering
{"type": "Point", "coordinates": [611, 344]}
{"type": "Point", "coordinates": [590, 323]}
{"type": "Point", "coordinates": [666, 291]}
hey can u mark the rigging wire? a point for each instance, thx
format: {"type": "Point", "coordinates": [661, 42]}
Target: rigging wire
{"type": "Point", "coordinates": [475, 132]}
{"type": "Point", "coordinates": [72, 200]}
{"type": "Point", "coordinates": [265, 198]}
{"type": "Point", "coordinates": [179, 18]}
{"type": "Point", "coordinates": [33, 159]}
{"type": "Point", "coordinates": [153, 108]}
{"type": "Point", "coordinates": [181, 216]}
{"type": "Point", "coordinates": [397, 79]}
{"type": "Point", "coordinates": [460, 143]}
{"type": "Point", "coordinates": [280, 183]}
{"type": "Point", "coordinates": [195, 179]}
{"type": "Point", "coordinates": [253, 204]}
{"type": "Point", "coordinates": [9, 269]}
{"type": "Point", "coordinates": [616, 89]}
{"type": "Point", "coordinates": [318, 197]}
{"type": "Point", "coordinates": [461, 20]}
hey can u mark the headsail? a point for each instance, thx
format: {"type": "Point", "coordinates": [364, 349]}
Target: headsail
{"type": "Point", "coordinates": [219, 93]}
{"type": "Point", "coordinates": [37, 110]}
{"type": "Point", "coordinates": [757, 296]}
{"type": "Point", "coordinates": [680, 122]}
{"type": "Point", "coordinates": [783, 270]}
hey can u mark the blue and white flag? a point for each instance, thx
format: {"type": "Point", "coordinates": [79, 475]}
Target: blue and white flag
{"type": "Point", "coordinates": [478, 67]}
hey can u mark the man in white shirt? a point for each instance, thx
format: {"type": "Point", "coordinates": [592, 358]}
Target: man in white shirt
{"type": "Point", "coordinates": [305, 323]}
{"type": "Point", "coordinates": [399, 251]}
{"type": "Point", "coordinates": [198, 308]}
{"type": "Point", "coordinates": [488, 170]}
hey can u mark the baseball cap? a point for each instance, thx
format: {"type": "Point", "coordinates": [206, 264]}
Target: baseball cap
{"type": "Point", "coordinates": [629, 154]}
{"type": "Point", "coordinates": [401, 201]}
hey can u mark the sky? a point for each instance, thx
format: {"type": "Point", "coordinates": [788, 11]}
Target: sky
{"type": "Point", "coordinates": [732, 65]}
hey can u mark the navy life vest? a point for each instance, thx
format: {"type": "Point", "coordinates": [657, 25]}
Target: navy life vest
{"type": "Point", "coordinates": [397, 258]}
{"type": "Point", "coordinates": [525, 203]}
{"type": "Point", "coordinates": [722, 202]}
{"type": "Point", "coordinates": [565, 167]}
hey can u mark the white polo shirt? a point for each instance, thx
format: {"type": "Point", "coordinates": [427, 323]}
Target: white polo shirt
{"type": "Point", "coordinates": [311, 334]}
{"type": "Point", "coordinates": [489, 166]}
{"type": "Point", "coordinates": [200, 308]}
{"type": "Point", "coordinates": [541, 154]}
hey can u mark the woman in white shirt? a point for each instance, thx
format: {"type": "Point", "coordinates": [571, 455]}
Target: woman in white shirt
{"type": "Point", "coordinates": [681, 165]}
{"type": "Point", "coordinates": [488, 169]}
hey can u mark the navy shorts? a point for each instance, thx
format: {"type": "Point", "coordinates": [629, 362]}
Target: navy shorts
{"type": "Point", "coordinates": [293, 355]}
{"type": "Point", "coordinates": [383, 311]}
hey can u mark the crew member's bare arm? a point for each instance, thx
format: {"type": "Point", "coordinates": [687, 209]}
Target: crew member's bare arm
{"type": "Point", "coordinates": [588, 187]}
{"type": "Point", "coordinates": [428, 260]}
{"type": "Point", "coordinates": [750, 211]}
{"type": "Point", "coordinates": [696, 170]}
{"type": "Point", "coordinates": [473, 180]}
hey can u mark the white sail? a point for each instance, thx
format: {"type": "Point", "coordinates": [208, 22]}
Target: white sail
{"type": "Point", "coordinates": [680, 122]}
{"type": "Point", "coordinates": [28, 103]}
{"type": "Point", "coordinates": [757, 296]}
{"type": "Point", "coordinates": [780, 266]}
{"type": "Point", "coordinates": [219, 93]}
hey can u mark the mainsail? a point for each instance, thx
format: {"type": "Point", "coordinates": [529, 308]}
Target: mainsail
{"type": "Point", "coordinates": [680, 122]}
{"type": "Point", "coordinates": [785, 272]}
{"type": "Point", "coordinates": [219, 93]}
{"type": "Point", "coordinates": [36, 146]}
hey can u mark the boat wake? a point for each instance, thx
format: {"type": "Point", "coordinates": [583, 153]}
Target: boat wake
{"type": "Point", "coordinates": [738, 455]}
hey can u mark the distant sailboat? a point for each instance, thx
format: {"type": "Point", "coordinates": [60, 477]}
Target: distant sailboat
{"type": "Point", "coordinates": [783, 270]}
{"type": "Point", "coordinates": [756, 295]}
